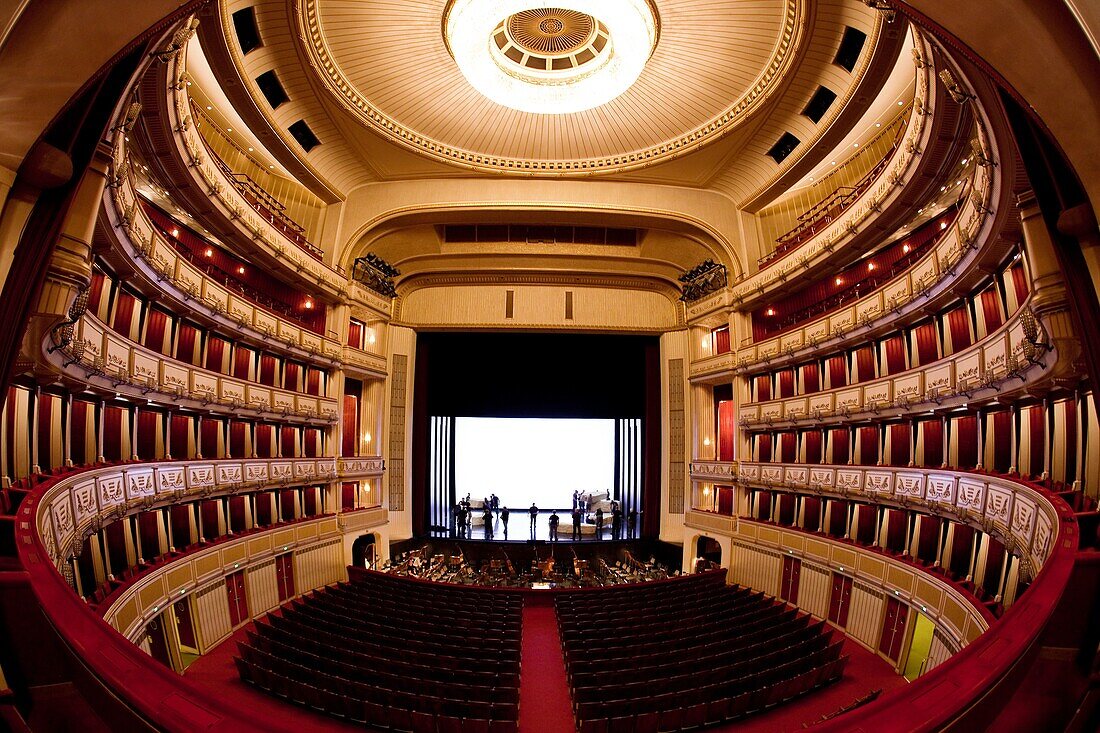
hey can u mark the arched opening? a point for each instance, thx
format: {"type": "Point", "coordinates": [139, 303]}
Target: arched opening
{"type": "Point", "coordinates": [708, 554]}
{"type": "Point", "coordinates": [362, 551]}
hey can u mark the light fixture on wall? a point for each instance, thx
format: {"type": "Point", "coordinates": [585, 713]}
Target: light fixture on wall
{"type": "Point", "coordinates": [366, 437]}
{"type": "Point", "coordinates": [308, 305]}
{"type": "Point", "coordinates": [209, 252]}
{"type": "Point", "coordinates": [706, 442]}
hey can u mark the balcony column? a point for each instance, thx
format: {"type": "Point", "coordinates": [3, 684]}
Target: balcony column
{"type": "Point", "coordinates": [67, 437]}
{"type": "Point", "coordinates": [35, 396]}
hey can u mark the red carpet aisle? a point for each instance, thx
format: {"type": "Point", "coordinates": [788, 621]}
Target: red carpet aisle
{"type": "Point", "coordinates": [544, 702]}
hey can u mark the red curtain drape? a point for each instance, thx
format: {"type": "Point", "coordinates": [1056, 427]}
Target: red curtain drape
{"type": "Point", "coordinates": [763, 388]}
{"type": "Point", "coordinates": [243, 358]}
{"type": "Point", "coordinates": [726, 431]}
{"type": "Point", "coordinates": [148, 422]}
{"type": "Point", "coordinates": [838, 372]}
{"type": "Point", "coordinates": [958, 325]}
{"type": "Point", "coordinates": [927, 340]}
{"type": "Point", "coordinates": [268, 368]}
{"type": "Point", "coordinates": [355, 334]}
{"type": "Point", "coordinates": [125, 307]}
{"type": "Point", "coordinates": [932, 431]}
{"type": "Point", "coordinates": [868, 446]}
{"type": "Point", "coordinates": [292, 376]}
{"type": "Point", "coordinates": [811, 378]}
{"type": "Point", "coordinates": [788, 448]}
{"type": "Point", "coordinates": [288, 442]}
{"type": "Point", "coordinates": [312, 440]}
{"type": "Point", "coordinates": [313, 381]}
{"type": "Point", "coordinates": [721, 340]}
{"type": "Point", "coordinates": [1019, 282]}
{"type": "Point", "coordinates": [764, 447]}
{"type": "Point", "coordinates": [350, 426]}
{"type": "Point", "coordinates": [838, 445]}
{"type": "Point", "coordinates": [209, 513]}
{"type": "Point", "coordinates": [237, 432]}
{"type": "Point", "coordinates": [100, 289]}
{"type": "Point", "coordinates": [966, 440]}
{"type": "Point", "coordinates": [894, 353]}
{"type": "Point", "coordinates": [899, 445]}
{"type": "Point", "coordinates": [209, 433]}
{"type": "Point", "coordinates": [1002, 440]}
{"type": "Point", "coordinates": [1037, 425]}
{"type": "Point", "coordinates": [347, 496]}
{"type": "Point", "coordinates": [112, 433]}
{"type": "Point", "coordinates": [263, 441]}
{"type": "Point", "coordinates": [149, 532]}
{"type": "Point", "coordinates": [187, 340]}
{"type": "Point", "coordinates": [216, 350]}
{"type": "Point", "coordinates": [811, 439]}
{"type": "Point", "coordinates": [181, 436]}
{"type": "Point", "coordinates": [786, 383]}
{"type": "Point", "coordinates": [991, 309]}
{"type": "Point", "coordinates": [864, 360]}
{"type": "Point", "coordinates": [156, 328]}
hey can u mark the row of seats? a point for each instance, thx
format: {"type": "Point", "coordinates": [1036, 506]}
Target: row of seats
{"type": "Point", "coordinates": [756, 652]}
{"type": "Point", "coordinates": [379, 715]}
{"type": "Point", "coordinates": [368, 653]}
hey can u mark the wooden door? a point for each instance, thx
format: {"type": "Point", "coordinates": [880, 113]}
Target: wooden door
{"type": "Point", "coordinates": [792, 569]}
{"type": "Point", "coordinates": [893, 628]}
{"type": "Point", "coordinates": [284, 575]}
{"type": "Point", "coordinates": [238, 598]}
{"type": "Point", "coordinates": [158, 642]}
{"type": "Point", "coordinates": [840, 600]}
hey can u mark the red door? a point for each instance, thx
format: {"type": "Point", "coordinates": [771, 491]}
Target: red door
{"type": "Point", "coordinates": [184, 627]}
{"type": "Point", "coordinates": [725, 500]}
{"type": "Point", "coordinates": [840, 600]}
{"type": "Point", "coordinates": [792, 569]}
{"type": "Point", "coordinates": [158, 643]}
{"type": "Point", "coordinates": [238, 598]}
{"type": "Point", "coordinates": [284, 575]}
{"type": "Point", "coordinates": [893, 628]}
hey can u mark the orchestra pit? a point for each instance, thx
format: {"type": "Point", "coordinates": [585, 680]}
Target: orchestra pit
{"type": "Point", "coordinates": [494, 366]}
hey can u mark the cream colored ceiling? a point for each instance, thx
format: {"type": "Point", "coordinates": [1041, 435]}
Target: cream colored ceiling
{"type": "Point", "coordinates": [387, 61]}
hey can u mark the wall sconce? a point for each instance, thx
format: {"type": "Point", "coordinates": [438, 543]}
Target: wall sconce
{"type": "Point", "coordinates": [175, 232]}
{"type": "Point", "coordinates": [706, 442]}
{"type": "Point", "coordinates": [366, 437]}
{"type": "Point", "coordinates": [209, 252]}
{"type": "Point", "coordinates": [308, 304]}
{"type": "Point", "coordinates": [240, 270]}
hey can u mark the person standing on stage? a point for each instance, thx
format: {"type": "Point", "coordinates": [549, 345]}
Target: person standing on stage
{"type": "Point", "coordinates": [631, 521]}
{"type": "Point", "coordinates": [457, 511]}
{"type": "Point", "coordinates": [504, 520]}
{"type": "Point", "coordinates": [616, 523]}
{"type": "Point", "coordinates": [487, 517]}
{"type": "Point", "coordinates": [534, 512]}
{"type": "Point", "coordinates": [554, 519]}
{"type": "Point", "coordinates": [576, 499]}
{"type": "Point", "coordinates": [599, 523]}
{"type": "Point", "coordinates": [494, 503]}
{"type": "Point", "coordinates": [577, 518]}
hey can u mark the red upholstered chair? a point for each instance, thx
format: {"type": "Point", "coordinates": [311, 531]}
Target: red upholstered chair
{"type": "Point", "coordinates": [399, 719]}
{"type": "Point", "coordinates": [448, 724]}
{"type": "Point", "coordinates": [475, 725]}
{"type": "Point", "coordinates": [623, 724]}
{"type": "Point", "coordinates": [695, 716]}
{"type": "Point", "coordinates": [422, 722]}
{"type": "Point", "coordinates": [503, 726]}
{"type": "Point", "coordinates": [593, 725]}
{"type": "Point", "coordinates": [718, 710]}
{"type": "Point", "coordinates": [646, 723]}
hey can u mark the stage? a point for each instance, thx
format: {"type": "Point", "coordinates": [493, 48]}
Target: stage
{"type": "Point", "coordinates": [518, 528]}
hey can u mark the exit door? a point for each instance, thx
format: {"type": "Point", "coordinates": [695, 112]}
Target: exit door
{"type": "Point", "coordinates": [238, 598]}
{"type": "Point", "coordinates": [840, 600]}
{"type": "Point", "coordinates": [893, 628]}
{"type": "Point", "coordinates": [792, 569]}
{"type": "Point", "coordinates": [284, 575]}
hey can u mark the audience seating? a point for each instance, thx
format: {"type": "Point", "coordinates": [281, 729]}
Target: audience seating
{"type": "Point", "coordinates": [394, 654]}
{"type": "Point", "coordinates": [685, 655]}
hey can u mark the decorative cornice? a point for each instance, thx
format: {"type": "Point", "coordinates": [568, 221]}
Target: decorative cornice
{"type": "Point", "coordinates": [793, 33]}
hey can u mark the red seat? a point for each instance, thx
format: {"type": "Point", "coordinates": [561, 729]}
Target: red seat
{"type": "Point", "coordinates": [475, 725]}
{"type": "Point", "coordinates": [670, 720]}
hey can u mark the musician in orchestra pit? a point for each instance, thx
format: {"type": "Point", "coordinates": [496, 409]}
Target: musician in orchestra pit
{"type": "Point", "coordinates": [554, 520]}
{"type": "Point", "coordinates": [504, 520]}
{"type": "Point", "coordinates": [599, 522]}
{"type": "Point", "coordinates": [534, 512]}
{"type": "Point", "coordinates": [577, 517]}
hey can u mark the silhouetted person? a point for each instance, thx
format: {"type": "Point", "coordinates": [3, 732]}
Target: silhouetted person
{"type": "Point", "coordinates": [576, 499]}
{"type": "Point", "coordinates": [554, 519]}
{"type": "Point", "coordinates": [616, 523]}
{"type": "Point", "coordinates": [487, 517]}
{"type": "Point", "coordinates": [494, 503]}
{"type": "Point", "coordinates": [504, 520]}
{"type": "Point", "coordinates": [577, 519]}
{"type": "Point", "coordinates": [631, 521]}
{"type": "Point", "coordinates": [457, 511]}
{"type": "Point", "coordinates": [599, 523]}
{"type": "Point", "coordinates": [534, 512]}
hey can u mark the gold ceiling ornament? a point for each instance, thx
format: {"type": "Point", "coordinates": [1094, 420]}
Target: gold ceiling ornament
{"type": "Point", "coordinates": [550, 31]}
{"type": "Point", "coordinates": [793, 34]}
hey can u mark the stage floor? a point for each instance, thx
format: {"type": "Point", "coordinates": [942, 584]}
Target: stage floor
{"type": "Point", "coordinates": [518, 529]}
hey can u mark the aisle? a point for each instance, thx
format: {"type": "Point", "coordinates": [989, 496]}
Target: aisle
{"type": "Point", "coordinates": [544, 702]}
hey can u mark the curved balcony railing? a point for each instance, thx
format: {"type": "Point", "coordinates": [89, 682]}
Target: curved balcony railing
{"type": "Point", "coordinates": [957, 616]}
{"type": "Point", "coordinates": [1009, 359]}
{"type": "Point", "coordinates": [1033, 524]}
{"type": "Point", "coordinates": [235, 207]}
{"type": "Point", "coordinates": [49, 520]}
{"type": "Point", "coordinates": [876, 197]}
{"type": "Point", "coordinates": [188, 287]}
{"type": "Point", "coordinates": [99, 356]}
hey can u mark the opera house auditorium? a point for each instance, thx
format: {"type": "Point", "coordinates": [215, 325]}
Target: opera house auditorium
{"type": "Point", "coordinates": [591, 366]}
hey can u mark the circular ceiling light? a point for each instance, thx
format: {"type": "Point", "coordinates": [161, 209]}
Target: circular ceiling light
{"type": "Point", "coordinates": [569, 58]}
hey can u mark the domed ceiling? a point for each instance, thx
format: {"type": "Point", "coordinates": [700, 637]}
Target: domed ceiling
{"type": "Point", "coordinates": [704, 68]}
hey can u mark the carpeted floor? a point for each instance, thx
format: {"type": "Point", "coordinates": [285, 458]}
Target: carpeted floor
{"type": "Point", "coordinates": [545, 705]}
{"type": "Point", "coordinates": [544, 701]}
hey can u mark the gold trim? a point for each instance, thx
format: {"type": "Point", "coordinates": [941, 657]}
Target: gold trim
{"type": "Point", "coordinates": [794, 31]}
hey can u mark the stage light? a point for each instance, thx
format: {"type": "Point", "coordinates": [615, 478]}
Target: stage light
{"type": "Point", "coordinates": [469, 27]}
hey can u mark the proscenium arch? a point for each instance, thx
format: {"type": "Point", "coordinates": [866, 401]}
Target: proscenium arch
{"type": "Point", "coordinates": [708, 215]}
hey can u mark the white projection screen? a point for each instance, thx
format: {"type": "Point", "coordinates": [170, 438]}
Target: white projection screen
{"type": "Point", "coordinates": [533, 459]}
